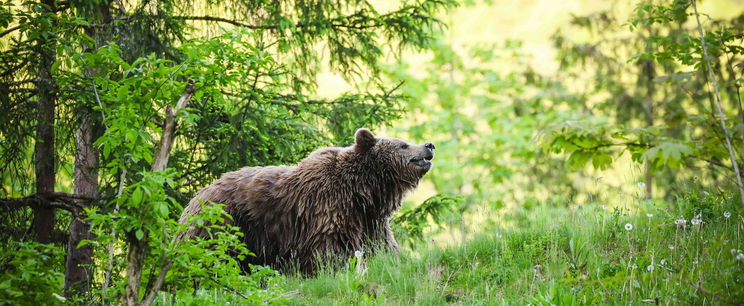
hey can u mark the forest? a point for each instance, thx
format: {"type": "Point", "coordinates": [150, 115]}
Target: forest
{"type": "Point", "coordinates": [587, 152]}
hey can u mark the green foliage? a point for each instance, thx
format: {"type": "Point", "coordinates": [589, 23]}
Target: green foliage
{"type": "Point", "coordinates": [28, 274]}
{"type": "Point", "coordinates": [655, 105]}
{"type": "Point", "coordinates": [507, 134]}
{"type": "Point", "coordinates": [412, 222]}
{"type": "Point", "coordinates": [592, 140]}
{"type": "Point", "coordinates": [212, 263]}
{"type": "Point", "coordinates": [119, 68]}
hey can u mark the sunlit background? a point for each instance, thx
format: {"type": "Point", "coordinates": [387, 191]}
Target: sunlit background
{"type": "Point", "coordinates": [530, 27]}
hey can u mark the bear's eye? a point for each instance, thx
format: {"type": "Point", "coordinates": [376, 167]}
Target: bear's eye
{"type": "Point", "coordinates": [404, 146]}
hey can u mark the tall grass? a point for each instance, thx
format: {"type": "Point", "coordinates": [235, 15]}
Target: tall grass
{"type": "Point", "coordinates": [563, 256]}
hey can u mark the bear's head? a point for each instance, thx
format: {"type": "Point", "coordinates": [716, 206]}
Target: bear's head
{"type": "Point", "coordinates": [408, 162]}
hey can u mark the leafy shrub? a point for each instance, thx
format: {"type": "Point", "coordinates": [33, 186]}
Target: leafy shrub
{"type": "Point", "coordinates": [412, 222]}
{"type": "Point", "coordinates": [26, 276]}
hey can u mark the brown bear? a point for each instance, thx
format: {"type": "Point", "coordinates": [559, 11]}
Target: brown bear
{"type": "Point", "coordinates": [336, 201]}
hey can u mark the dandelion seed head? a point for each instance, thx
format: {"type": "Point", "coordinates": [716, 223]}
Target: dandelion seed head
{"type": "Point", "coordinates": [650, 215]}
{"type": "Point", "coordinates": [696, 221]}
{"type": "Point", "coordinates": [628, 226]}
{"type": "Point", "coordinates": [680, 222]}
{"type": "Point", "coordinates": [740, 256]}
{"type": "Point", "coordinates": [734, 251]}
{"type": "Point", "coordinates": [634, 266]}
{"type": "Point", "coordinates": [671, 247]}
{"type": "Point", "coordinates": [650, 268]}
{"type": "Point", "coordinates": [641, 184]}
{"type": "Point", "coordinates": [726, 214]}
{"type": "Point", "coordinates": [358, 254]}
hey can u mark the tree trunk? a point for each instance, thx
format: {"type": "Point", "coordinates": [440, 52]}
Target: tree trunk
{"type": "Point", "coordinates": [135, 261]}
{"type": "Point", "coordinates": [137, 248]}
{"type": "Point", "coordinates": [78, 273]}
{"type": "Point", "coordinates": [44, 148]}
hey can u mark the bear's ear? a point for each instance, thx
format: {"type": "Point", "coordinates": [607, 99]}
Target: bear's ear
{"type": "Point", "coordinates": [364, 139]}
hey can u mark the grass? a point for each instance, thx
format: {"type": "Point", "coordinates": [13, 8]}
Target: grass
{"type": "Point", "coordinates": [561, 256]}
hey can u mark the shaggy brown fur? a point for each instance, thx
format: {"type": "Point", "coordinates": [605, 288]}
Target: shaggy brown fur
{"type": "Point", "coordinates": [336, 201]}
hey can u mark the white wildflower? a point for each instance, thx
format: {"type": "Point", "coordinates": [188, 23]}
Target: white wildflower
{"type": "Point", "coordinates": [735, 251]}
{"type": "Point", "coordinates": [662, 262]}
{"type": "Point", "coordinates": [641, 184]}
{"type": "Point", "coordinates": [740, 256]}
{"type": "Point", "coordinates": [726, 215]}
{"type": "Point", "coordinates": [603, 207]}
{"type": "Point", "coordinates": [695, 262]}
{"type": "Point", "coordinates": [628, 227]}
{"type": "Point", "coordinates": [650, 268]}
{"type": "Point", "coordinates": [634, 266]}
{"type": "Point", "coordinates": [650, 215]}
{"type": "Point", "coordinates": [697, 220]}
{"type": "Point", "coordinates": [361, 268]}
{"type": "Point", "coordinates": [680, 222]}
{"type": "Point", "coordinates": [671, 247]}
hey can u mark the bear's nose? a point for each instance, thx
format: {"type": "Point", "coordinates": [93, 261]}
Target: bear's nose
{"type": "Point", "coordinates": [429, 145]}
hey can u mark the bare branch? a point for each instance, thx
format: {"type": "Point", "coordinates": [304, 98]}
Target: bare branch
{"type": "Point", "coordinates": [135, 258]}
{"type": "Point", "coordinates": [9, 30]}
{"type": "Point", "coordinates": [169, 130]}
{"type": "Point", "coordinates": [729, 146]}
{"type": "Point", "coordinates": [70, 202]}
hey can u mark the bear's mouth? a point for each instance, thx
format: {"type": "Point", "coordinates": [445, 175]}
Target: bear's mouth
{"type": "Point", "coordinates": [423, 162]}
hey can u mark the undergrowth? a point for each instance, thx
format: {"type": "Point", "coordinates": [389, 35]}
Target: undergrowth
{"type": "Point", "coordinates": [555, 255]}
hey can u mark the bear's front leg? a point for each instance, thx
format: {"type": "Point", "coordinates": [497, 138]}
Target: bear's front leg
{"type": "Point", "coordinates": [390, 238]}
{"type": "Point", "coordinates": [379, 236]}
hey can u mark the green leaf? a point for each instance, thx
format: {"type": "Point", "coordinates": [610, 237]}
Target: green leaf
{"type": "Point", "coordinates": [84, 243]}
{"type": "Point", "coordinates": [139, 234]}
{"type": "Point", "coordinates": [163, 209]}
{"type": "Point", "coordinates": [55, 66]}
{"type": "Point", "coordinates": [601, 160]}
{"type": "Point", "coordinates": [136, 198]}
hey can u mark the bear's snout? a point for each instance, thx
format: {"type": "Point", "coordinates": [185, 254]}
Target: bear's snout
{"type": "Point", "coordinates": [428, 154]}
{"type": "Point", "coordinates": [423, 157]}
{"type": "Point", "coordinates": [429, 151]}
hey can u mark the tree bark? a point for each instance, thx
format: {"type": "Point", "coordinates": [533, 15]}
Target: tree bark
{"type": "Point", "coordinates": [135, 261]}
{"type": "Point", "coordinates": [47, 200]}
{"type": "Point", "coordinates": [78, 265]}
{"type": "Point", "coordinates": [78, 272]}
{"type": "Point", "coordinates": [44, 148]}
{"type": "Point", "coordinates": [137, 248]}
